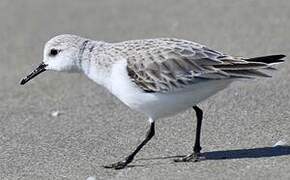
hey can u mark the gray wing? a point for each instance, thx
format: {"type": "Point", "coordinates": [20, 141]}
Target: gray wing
{"type": "Point", "coordinates": [164, 65]}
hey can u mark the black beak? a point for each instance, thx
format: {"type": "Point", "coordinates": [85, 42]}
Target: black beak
{"type": "Point", "coordinates": [38, 70]}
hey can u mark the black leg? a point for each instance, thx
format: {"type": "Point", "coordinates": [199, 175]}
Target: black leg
{"type": "Point", "coordinates": [195, 156]}
{"type": "Point", "coordinates": [199, 113]}
{"type": "Point", "coordinates": [124, 163]}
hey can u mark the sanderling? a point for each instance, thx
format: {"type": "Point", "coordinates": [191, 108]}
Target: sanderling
{"type": "Point", "coordinates": [157, 77]}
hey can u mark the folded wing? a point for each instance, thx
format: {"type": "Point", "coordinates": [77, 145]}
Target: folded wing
{"type": "Point", "coordinates": [174, 64]}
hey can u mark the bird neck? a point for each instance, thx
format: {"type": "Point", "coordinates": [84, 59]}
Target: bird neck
{"type": "Point", "coordinates": [93, 64]}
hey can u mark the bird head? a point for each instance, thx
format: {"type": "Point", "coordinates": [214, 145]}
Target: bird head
{"type": "Point", "coordinates": [61, 53]}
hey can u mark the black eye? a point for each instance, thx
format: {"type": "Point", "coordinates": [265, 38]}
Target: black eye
{"type": "Point", "coordinates": [53, 52]}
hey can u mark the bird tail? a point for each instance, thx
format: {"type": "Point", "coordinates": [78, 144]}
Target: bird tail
{"type": "Point", "coordinates": [270, 60]}
{"type": "Point", "coordinates": [251, 67]}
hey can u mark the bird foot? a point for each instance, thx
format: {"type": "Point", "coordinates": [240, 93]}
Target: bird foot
{"type": "Point", "coordinates": [194, 157]}
{"type": "Point", "coordinates": [118, 165]}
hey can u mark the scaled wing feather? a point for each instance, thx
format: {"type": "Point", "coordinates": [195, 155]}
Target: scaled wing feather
{"type": "Point", "coordinates": [166, 65]}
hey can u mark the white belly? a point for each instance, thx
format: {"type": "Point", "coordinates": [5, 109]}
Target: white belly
{"type": "Point", "coordinates": [158, 105]}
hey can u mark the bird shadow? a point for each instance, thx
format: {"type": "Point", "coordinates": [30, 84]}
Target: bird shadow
{"type": "Point", "coordinates": [235, 154]}
{"type": "Point", "coordinates": [263, 152]}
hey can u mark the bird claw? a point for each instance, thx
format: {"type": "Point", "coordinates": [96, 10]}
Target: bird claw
{"type": "Point", "coordinates": [118, 165]}
{"type": "Point", "coordinates": [194, 157]}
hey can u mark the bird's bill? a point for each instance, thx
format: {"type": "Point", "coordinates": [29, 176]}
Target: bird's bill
{"type": "Point", "coordinates": [37, 71]}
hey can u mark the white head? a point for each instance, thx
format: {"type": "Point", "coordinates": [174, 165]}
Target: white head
{"type": "Point", "coordinates": [61, 53]}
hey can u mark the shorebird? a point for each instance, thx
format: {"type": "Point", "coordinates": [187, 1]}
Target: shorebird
{"type": "Point", "coordinates": [157, 77]}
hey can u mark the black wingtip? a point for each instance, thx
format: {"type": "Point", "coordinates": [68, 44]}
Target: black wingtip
{"type": "Point", "coordinates": [268, 59]}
